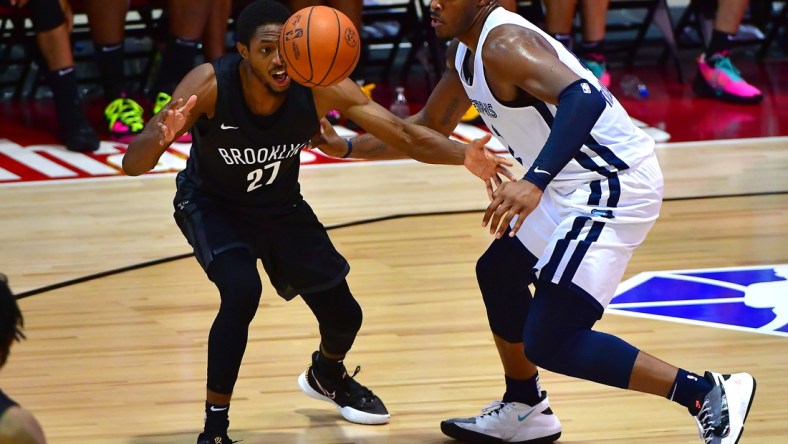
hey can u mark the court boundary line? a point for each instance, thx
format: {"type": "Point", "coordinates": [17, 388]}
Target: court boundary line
{"type": "Point", "coordinates": [114, 271]}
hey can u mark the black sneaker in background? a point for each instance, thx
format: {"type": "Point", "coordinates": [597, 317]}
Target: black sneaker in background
{"type": "Point", "coordinates": [354, 402]}
{"type": "Point", "coordinates": [77, 134]}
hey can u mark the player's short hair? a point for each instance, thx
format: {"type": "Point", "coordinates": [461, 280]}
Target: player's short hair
{"type": "Point", "coordinates": [259, 13]}
{"type": "Point", "coordinates": [11, 321]}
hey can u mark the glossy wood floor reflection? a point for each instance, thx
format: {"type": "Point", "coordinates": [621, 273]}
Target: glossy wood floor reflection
{"type": "Point", "coordinates": [121, 359]}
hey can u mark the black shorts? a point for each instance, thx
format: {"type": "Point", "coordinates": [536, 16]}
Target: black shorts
{"type": "Point", "coordinates": [292, 244]}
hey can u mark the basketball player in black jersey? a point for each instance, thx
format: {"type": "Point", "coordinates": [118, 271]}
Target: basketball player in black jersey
{"type": "Point", "coordinates": [238, 200]}
{"type": "Point", "coordinates": [17, 425]}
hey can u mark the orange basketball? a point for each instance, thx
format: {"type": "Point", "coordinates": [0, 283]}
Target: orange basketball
{"type": "Point", "coordinates": [320, 46]}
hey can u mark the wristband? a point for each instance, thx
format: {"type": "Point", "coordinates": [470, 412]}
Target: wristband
{"type": "Point", "coordinates": [349, 148]}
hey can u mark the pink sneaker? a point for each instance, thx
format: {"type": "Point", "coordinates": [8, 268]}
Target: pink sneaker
{"type": "Point", "coordinates": [124, 119]}
{"type": "Point", "coordinates": [597, 63]}
{"type": "Point", "coordinates": [719, 79]}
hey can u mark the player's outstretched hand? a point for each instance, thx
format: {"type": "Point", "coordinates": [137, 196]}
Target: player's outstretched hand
{"type": "Point", "coordinates": [486, 165]}
{"type": "Point", "coordinates": [328, 141]}
{"type": "Point", "coordinates": [173, 118]}
{"type": "Point", "coordinates": [509, 200]}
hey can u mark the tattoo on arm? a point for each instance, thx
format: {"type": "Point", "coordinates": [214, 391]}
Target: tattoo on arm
{"type": "Point", "coordinates": [446, 118]}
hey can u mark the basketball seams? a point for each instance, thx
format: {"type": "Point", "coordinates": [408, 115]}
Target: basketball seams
{"type": "Point", "coordinates": [309, 47]}
{"type": "Point", "coordinates": [350, 68]}
{"type": "Point", "coordinates": [290, 64]}
{"type": "Point", "coordinates": [336, 49]}
{"type": "Point", "coordinates": [346, 52]}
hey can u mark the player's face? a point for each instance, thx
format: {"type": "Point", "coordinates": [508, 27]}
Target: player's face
{"type": "Point", "coordinates": [264, 57]}
{"type": "Point", "coordinates": [452, 18]}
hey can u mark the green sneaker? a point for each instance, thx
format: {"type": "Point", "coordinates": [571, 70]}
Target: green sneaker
{"type": "Point", "coordinates": [124, 119]}
{"type": "Point", "coordinates": [162, 99]}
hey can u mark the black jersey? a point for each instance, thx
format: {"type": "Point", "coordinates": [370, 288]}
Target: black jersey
{"type": "Point", "coordinates": [5, 403]}
{"type": "Point", "coordinates": [245, 159]}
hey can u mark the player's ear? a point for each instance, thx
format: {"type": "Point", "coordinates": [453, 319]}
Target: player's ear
{"type": "Point", "coordinates": [242, 49]}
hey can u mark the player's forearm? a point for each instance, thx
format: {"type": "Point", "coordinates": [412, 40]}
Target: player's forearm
{"type": "Point", "coordinates": [416, 140]}
{"type": "Point", "coordinates": [143, 152]}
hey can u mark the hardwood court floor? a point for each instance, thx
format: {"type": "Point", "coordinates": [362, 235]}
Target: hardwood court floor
{"type": "Point", "coordinates": [121, 358]}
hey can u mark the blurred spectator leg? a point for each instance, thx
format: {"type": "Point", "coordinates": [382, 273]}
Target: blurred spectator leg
{"type": "Point", "coordinates": [187, 22]}
{"type": "Point", "coordinates": [52, 37]}
{"type": "Point", "coordinates": [215, 36]}
{"type": "Point", "coordinates": [558, 20]}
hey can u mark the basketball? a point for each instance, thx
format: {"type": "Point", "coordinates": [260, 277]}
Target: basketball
{"type": "Point", "coordinates": [319, 46]}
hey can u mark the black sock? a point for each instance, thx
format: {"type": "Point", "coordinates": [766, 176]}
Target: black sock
{"type": "Point", "coordinates": [333, 368]}
{"type": "Point", "coordinates": [525, 391]}
{"type": "Point", "coordinates": [109, 59]}
{"type": "Point", "coordinates": [720, 41]}
{"type": "Point", "coordinates": [217, 417]}
{"type": "Point", "coordinates": [593, 50]}
{"type": "Point", "coordinates": [689, 390]}
{"type": "Point", "coordinates": [564, 39]}
{"type": "Point", "coordinates": [63, 83]}
{"type": "Point", "coordinates": [176, 62]}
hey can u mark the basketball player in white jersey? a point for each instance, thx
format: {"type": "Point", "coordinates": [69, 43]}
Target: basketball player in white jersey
{"type": "Point", "coordinates": [592, 191]}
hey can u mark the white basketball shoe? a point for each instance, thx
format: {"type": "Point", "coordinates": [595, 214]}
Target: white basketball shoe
{"type": "Point", "coordinates": [725, 407]}
{"type": "Point", "coordinates": [512, 422]}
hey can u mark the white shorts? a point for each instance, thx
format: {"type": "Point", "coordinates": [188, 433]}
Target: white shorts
{"type": "Point", "coordinates": [585, 233]}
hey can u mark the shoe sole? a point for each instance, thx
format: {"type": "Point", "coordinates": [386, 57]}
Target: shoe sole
{"type": "Point", "coordinates": [460, 434]}
{"type": "Point", "coordinates": [349, 413]}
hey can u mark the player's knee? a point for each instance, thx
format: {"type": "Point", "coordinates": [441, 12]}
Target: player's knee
{"type": "Point", "coordinates": [240, 299]}
{"type": "Point", "coordinates": [339, 317]}
{"type": "Point", "coordinates": [235, 275]}
{"type": "Point", "coordinates": [506, 299]}
{"type": "Point", "coordinates": [542, 342]}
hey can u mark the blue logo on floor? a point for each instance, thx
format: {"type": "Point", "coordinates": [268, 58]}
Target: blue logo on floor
{"type": "Point", "coordinates": [748, 298]}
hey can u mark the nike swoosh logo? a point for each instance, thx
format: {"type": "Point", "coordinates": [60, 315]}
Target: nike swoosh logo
{"type": "Point", "coordinates": [226, 127]}
{"type": "Point", "coordinates": [111, 48]}
{"type": "Point", "coordinates": [214, 409]}
{"type": "Point", "coordinates": [539, 170]}
{"type": "Point", "coordinates": [521, 418]}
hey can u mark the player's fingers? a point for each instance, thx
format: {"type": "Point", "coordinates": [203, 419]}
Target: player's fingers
{"type": "Point", "coordinates": [488, 184]}
{"type": "Point", "coordinates": [481, 141]}
{"type": "Point", "coordinates": [498, 159]}
{"type": "Point", "coordinates": [163, 134]}
{"type": "Point", "coordinates": [187, 107]}
{"type": "Point", "coordinates": [497, 179]}
{"type": "Point", "coordinates": [327, 128]}
{"type": "Point", "coordinates": [505, 221]}
{"type": "Point", "coordinates": [517, 224]}
{"type": "Point", "coordinates": [507, 173]}
{"type": "Point", "coordinates": [498, 214]}
{"type": "Point", "coordinates": [488, 213]}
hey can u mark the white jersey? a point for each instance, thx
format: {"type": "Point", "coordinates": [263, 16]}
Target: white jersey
{"type": "Point", "coordinates": [615, 143]}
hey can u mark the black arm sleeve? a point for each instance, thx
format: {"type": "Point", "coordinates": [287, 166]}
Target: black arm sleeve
{"type": "Point", "coordinates": [579, 107]}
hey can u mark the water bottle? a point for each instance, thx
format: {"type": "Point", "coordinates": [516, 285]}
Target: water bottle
{"type": "Point", "coordinates": [399, 107]}
{"type": "Point", "coordinates": [634, 87]}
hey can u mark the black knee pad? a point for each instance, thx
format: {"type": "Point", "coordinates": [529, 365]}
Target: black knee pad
{"type": "Point", "coordinates": [556, 314]}
{"type": "Point", "coordinates": [235, 274]}
{"type": "Point", "coordinates": [504, 273]}
{"type": "Point", "coordinates": [339, 317]}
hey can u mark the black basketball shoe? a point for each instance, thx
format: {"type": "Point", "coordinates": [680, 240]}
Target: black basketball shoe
{"type": "Point", "coordinates": [354, 402]}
